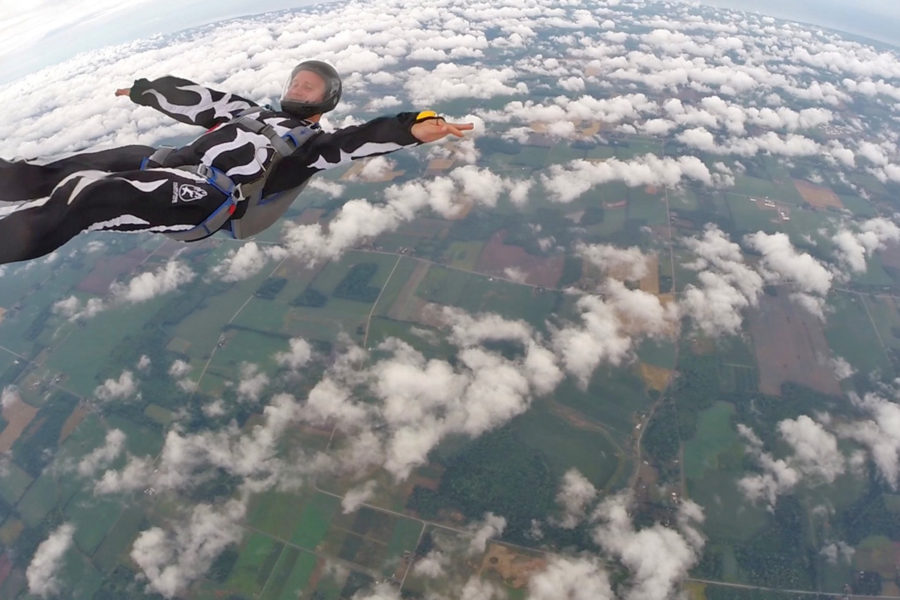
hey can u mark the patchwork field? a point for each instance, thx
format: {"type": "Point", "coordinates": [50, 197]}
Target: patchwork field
{"type": "Point", "coordinates": [790, 346]}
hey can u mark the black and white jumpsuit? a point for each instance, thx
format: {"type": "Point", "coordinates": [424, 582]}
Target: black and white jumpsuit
{"type": "Point", "coordinates": [108, 190]}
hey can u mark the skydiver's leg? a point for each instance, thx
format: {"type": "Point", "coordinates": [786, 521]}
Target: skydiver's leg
{"type": "Point", "coordinates": [151, 200]}
{"type": "Point", "coordinates": [30, 179]}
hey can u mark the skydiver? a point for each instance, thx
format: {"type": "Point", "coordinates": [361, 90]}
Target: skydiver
{"type": "Point", "coordinates": [240, 176]}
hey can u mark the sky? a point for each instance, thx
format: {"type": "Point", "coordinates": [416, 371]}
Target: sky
{"type": "Point", "coordinates": [755, 88]}
{"type": "Point", "coordinates": [45, 32]}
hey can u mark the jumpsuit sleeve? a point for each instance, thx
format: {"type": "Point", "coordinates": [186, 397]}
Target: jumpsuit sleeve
{"type": "Point", "coordinates": [188, 102]}
{"type": "Point", "coordinates": [329, 150]}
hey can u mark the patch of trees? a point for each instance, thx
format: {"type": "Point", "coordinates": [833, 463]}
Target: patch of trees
{"type": "Point", "coordinates": [776, 556]}
{"type": "Point", "coordinates": [37, 445]}
{"type": "Point", "coordinates": [224, 563]}
{"type": "Point", "coordinates": [571, 273]}
{"type": "Point", "coordinates": [355, 285]}
{"type": "Point", "coordinates": [123, 582]}
{"type": "Point", "coordinates": [271, 287]}
{"type": "Point", "coordinates": [498, 473]}
{"type": "Point", "coordinates": [661, 441]}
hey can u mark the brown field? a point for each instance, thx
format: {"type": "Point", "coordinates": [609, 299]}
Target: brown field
{"type": "Point", "coordinates": [18, 415]}
{"type": "Point", "coordinates": [77, 416]}
{"type": "Point", "coordinates": [816, 195]}
{"type": "Point", "coordinates": [408, 306]}
{"type": "Point", "coordinates": [109, 268]}
{"type": "Point", "coordinates": [438, 165]}
{"type": "Point", "coordinates": [650, 282]}
{"type": "Point", "coordinates": [790, 346]}
{"type": "Point", "coordinates": [424, 228]}
{"type": "Point", "coordinates": [2, 312]}
{"type": "Point", "coordinates": [890, 257]}
{"type": "Point", "coordinates": [497, 257]}
{"type": "Point", "coordinates": [695, 590]}
{"type": "Point", "coordinates": [514, 567]}
{"type": "Point", "coordinates": [882, 557]}
{"type": "Point", "coordinates": [354, 173]}
{"type": "Point", "coordinates": [310, 216]}
{"type": "Point", "coordinates": [656, 378]}
{"type": "Point", "coordinates": [11, 531]}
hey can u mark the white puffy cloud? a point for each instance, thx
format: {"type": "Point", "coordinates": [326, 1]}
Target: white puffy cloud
{"type": "Point", "coordinates": [103, 455]}
{"type": "Point", "coordinates": [657, 557]}
{"type": "Point", "coordinates": [298, 356]}
{"type": "Point", "coordinates": [853, 248]}
{"type": "Point", "coordinates": [43, 570]}
{"type": "Point", "coordinates": [579, 578]}
{"type": "Point", "coordinates": [247, 261]}
{"type": "Point", "coordinates": [815, 460]}
{"type": "Point", "coordinates": [782, 263]}
{"type": "Point", "coordinates": [9, 396]}
{"type": "Point", "coordinates": [879, 433]}
{"type": "Point", "coordinates": [252, 383]}
{"type": "Point", "coordinates": [565, 184]}
{"type": "Point", "coordinates": [726, 284]}
{"type": "Point", "coordinates": [574, 496]}
{"type": "Point", "coordinates": [117, 389]}
{"type": "Point", "coordinates": [491, 526]}
{"type": "Point", "coordinates": [630, 264]}
{"type": "Point", "coordinates": [172, 559]}
{"type": "Point", "coordinates": [148, 285]}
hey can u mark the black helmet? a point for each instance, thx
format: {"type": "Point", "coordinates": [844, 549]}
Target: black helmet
{"type": "Point", "coordinates": [304, 110]}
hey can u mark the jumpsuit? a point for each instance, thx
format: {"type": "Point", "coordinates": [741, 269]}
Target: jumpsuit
{"type": "Point", "coordinates": [45, 204]}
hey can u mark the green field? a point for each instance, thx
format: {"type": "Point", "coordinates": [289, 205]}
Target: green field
{"type": "Point", "coordinates": [716, 444]}
{"type": "Point", "coordinates": [290, 576]}
{"type": "Point", "coordinates": [276, 512]}
{"type": "Point", "coordinates": [257, 558]}
{"type": "Point", "coordinates": [94, 516]}
{"type": "Point", "coordinates": [119, 538]}
{"type": "Point", "coordinates": [586, 447]}
{"type": "Point", "coordinates": [13, 483]}
{"type": "Point", "coordinates": [315, 521]}
{"type": "Point", "coordinates": [850, 334]}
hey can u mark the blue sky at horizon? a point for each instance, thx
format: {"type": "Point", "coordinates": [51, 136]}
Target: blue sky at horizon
{"type": "Point", "coordinates": [46, 32]}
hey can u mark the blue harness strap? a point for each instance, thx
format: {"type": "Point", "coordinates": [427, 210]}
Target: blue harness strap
{"type": "Point", "coordinates": [251, 193]}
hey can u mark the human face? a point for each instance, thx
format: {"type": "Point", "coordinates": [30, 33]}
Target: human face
{"type": "Point", "coordinates": [306, 86]}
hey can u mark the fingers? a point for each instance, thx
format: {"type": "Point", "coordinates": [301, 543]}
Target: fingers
{"type": "Point", "coordinates": [457, 128]}
{"type": "Point", "coordinates": [123, 92]}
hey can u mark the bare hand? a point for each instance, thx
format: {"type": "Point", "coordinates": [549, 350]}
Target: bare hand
{"type": "Point", "coordinates": [432, 130]}
{"type": "Point", "coordinates": [123, 91]}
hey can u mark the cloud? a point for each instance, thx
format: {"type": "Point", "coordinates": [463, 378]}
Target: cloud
{"type": "Point", "coordinates": [565, 184]}
{"type": "Point", "coordinates": [816, 459]}
{"type": "Point", "coordinates": [172, 559]}
{"type": "Point", "coordinates": [357, 496]}
{"type": "Point", "coordinates": [43, 570]}
{"type": "Point", "coordinates": [252, 383]}
{"type": "Point", "coordinates": [579, 578]}
{"type": "Point", "coordinates": [148, 285]}
{"type": "Point", "coordinates": [297, 357]}
{"type": "Point", "coordinates": [782, 263]}
{"type": "Point", "coordinates": [247, 261]}
{"type": "Point", "coordinates": [117, 389]}
{"type": "Point", "coordinates": [609, 328]}
{"type": "Point", "coordinates": [9, 396]}
{"type": "Point", "coordinates": [880, 434]}
{"type": "Point", "coordinates": [629, 264]}
{"type": "Point", "coordinates": [657, 557]}
{"type": "Point", "coordinates": [574, 497]}
{"type": "Point", "coordinates": [854, 248]}
{"type": "Point", "coordinates": [491, 526]}
{"type": "Point", "coordinates": [105, 454]}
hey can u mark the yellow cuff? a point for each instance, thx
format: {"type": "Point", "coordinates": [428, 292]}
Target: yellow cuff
{"type": "Point", "coordinates": [426, 114]}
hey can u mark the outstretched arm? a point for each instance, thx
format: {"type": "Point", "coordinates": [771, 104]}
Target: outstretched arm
{"type": "Point", "coordinates": [185, 101]}
{"type": "Point", "coordinates": [378, 136]}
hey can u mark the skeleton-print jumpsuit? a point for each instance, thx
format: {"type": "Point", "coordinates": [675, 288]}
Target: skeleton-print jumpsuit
{"type": "Point", "coordinates": [108, 189]}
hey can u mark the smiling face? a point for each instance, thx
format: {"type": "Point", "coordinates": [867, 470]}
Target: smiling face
{"type": "Point", "coordinates": [306, 86]}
